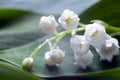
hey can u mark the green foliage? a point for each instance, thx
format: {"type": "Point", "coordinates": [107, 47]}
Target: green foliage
{"type": "Point", "coordinates": [21, 29]}
{"type": "Point", "coordinates": [106, 10]}
{"type": "Point", "coordinates": [10, 72]}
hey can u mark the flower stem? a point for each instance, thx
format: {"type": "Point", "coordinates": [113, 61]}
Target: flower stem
{"type": "Point", "coordinates": [50, 44]}
{"type": "Point", "coordinates": [115, 34]}
{"type": "Point", "coordinates": [81, 25]}
{"type": "Point", "coordinates": [58, 35]}
{"type": "Point", "coordinates": [111, 29]}
{"type": "Point", "coordinates": [57, 41]}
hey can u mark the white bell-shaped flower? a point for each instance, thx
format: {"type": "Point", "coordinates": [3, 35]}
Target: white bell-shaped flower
{"type": "Point", "coordinates": [84, 60]}
{"type": "Point", "coordinates": [109, 49]}
{"type": "Point", "coordinates": [69, 20]}
{"type": "Point", "coordinates": [96, 34]}
{"type": "Point", "coordinates": [54, 56]}
{"type": "Point", "coordinates": [79, 44]}
{"type": "Point", "coordinates": [48, 24]}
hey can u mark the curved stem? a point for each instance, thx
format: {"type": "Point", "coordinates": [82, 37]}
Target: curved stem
{"type": "Point", "coordinates": [109, 28]}
{"type": "Point", "coordinates": [112, 29]}
{"type": "Point", "coordinates": [57, 41]}
{"type": "Point", "coordinates": [50, 44]}
{"type": "Point", "coordinates": [115, 34]}
{"type": "Point", "coordinates": [58, 35]}
{"type": "Point", "coordinates": [81, 25]}
{"type": "Point", "coordinates": [37, 49]}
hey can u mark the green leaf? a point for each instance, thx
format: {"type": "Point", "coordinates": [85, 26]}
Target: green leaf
{"type": "Point", "coordinates": [10, 72]}
{"type": "Point", "coordinates": [8, 15]}
{"type": "Point", "coordinates": [110, 74]}
{"type": "Point", "coordinates": [23, 30]}
{"type": "Point", "coordinates": [66, 68]}
{"type": "Point", "coordinates": [105, 10]}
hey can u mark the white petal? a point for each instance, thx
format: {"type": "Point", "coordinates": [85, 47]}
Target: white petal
{"type": "Point", "coordinates": [69, 20]}
{"type": "Point", "coordinates": [48, 24]}
{"type": "Point", "coordinates": [79, 44]}
{"type": "Point", "coordinates": [96, 34]}
{"type": "Point", "coordinates": [84, 60]}
{"type": "Point", "coordinates": [54, 57]}
{"type": "Point", "coordinates": [111, 41]}
{"type": "Point", "coordinates": [48, 59]}
{"type": "Point", "coordinates": [108, 50]}
{"type": "Point", "coordinates": [57, 56]}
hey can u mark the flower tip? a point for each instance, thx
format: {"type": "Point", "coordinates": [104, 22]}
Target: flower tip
{"type": "Point", "coordinates": [27, 63]}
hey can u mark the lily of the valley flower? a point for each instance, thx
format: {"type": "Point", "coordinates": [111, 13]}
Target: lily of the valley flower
{"type": "Point", "coordinates": [69, 20]}
{"type": "Point", "coordinates": [82, 55]}
{"type": "Point", "coordinates": [79, 44]}
{"type": "Point", "coordinates": [84, 60]}
{"type": "Point", "coordinates": [54, 56]}
{"type": "Point", "coordinates": [48, 24]}
{"type": "Point", "coordinates": [96, 34]}
{"type": "Point", "coordinates": [109, 49]}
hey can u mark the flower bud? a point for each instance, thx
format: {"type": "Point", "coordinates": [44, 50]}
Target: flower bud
{"type": "Point", "coordinates": [69, 20]}
{"type": "Point", "coordinates": [48, 24]}
{"type": "Point", "coordinates": [27, 63]}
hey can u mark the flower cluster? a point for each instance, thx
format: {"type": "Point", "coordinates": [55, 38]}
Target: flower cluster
{"type": "Point", "coordinates": [105, 45]}
{"type": "Point", "coordinates": [68, 20]}
{"type": "Point", "coordinates": [80, 47]}
{"type": "Point", "coordinates": [95, 35]}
